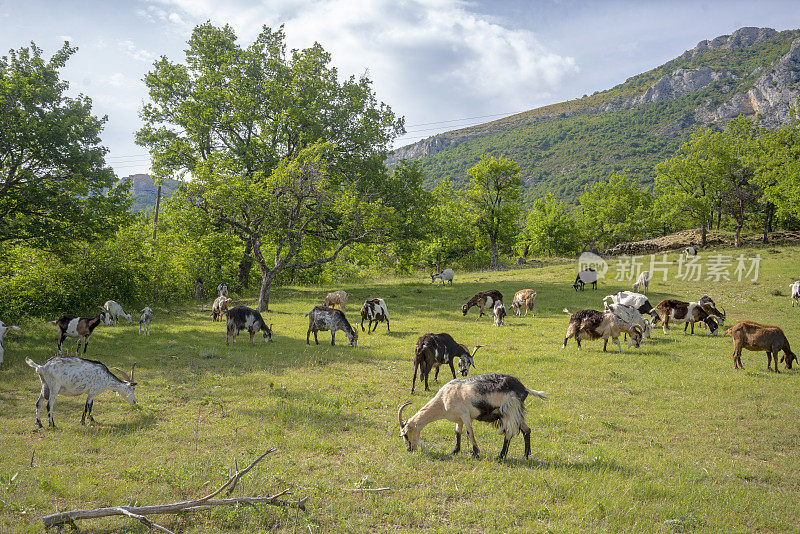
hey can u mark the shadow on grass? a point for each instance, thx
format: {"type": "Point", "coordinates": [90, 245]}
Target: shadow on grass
{"type": "Point", "coordinates": [598, 464]}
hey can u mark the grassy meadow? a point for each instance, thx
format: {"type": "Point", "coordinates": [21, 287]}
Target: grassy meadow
{"type": "Point", "coordinates": [664, 438]}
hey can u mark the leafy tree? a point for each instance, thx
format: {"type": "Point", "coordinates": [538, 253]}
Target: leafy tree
{"type": "Point", "coordinates": [549, 229]}
{"type": "Point", "coordinates": [493, 196]}
{"type": "Point", "coordinates": [54, 184]}
{"type": "Point", "coordinates": [281, 152]}
{"type": "Point", "coordinates": [614, 210]}
{"type": "Point", "coordinates": [453, 234]}
{"type": "Point", "coordinates": [778, 167]}
{"type": "Point", "coordinates": [735, 161]}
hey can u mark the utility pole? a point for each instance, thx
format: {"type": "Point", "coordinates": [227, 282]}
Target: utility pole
{"type": "Point", "coordinates": [155, 220]}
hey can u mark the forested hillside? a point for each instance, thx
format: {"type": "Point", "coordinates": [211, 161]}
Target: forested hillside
{"type": "Point", "coordinates": [631, 127]}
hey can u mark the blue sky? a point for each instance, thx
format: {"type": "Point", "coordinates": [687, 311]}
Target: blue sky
{"type": "Point", "coordinates": [436, 62]}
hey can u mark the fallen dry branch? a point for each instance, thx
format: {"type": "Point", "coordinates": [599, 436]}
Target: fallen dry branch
{"type": "Point", "coordinates": [138, 512]}
{"type": "Point", "coordinates": [361, 490]}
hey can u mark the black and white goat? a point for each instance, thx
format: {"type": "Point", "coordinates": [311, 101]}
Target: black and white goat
{"type": "Point", "coordinates": [374, 311]}
{"type": "Point", "coordinates": [4, 329]}
{"type": "Point", "coordinates": [710, 308]}
{"type": "Point", "coordinates": [244, 318]}
{"type": "Point", "coordinates": [222, 289]}
{"type": "Point", "coordinates": [433, 350]}
{"type": "Point", "coordinates": [593, 324]}
{"type": "Point", "coordinates": [484, 301]}
{"type": "Point", "coordinates": [145, 319]}
{"type": "Point", "coordinates": [444, 276]}
{"type": "Point", "coordinates": [636, 301]}
{"type": "Point", "coordinates": [324, 318]}
{"type": "Point", "coordinates": [492, 398]}
{"type": "Point", "coordinates": [72, 376]}
{"type": "Point", "coordinates": [79, 327]}
{"type": "Point", "coordinates": [499, 313]}
{"type": "Point", "coordinates": [690, 252]}
{"type": "Point", "coordinates": [115, 310]}
{"type": "Point", "coordinates": [586, 276]}
{"type": "Point", "coordinates": [688, 312]}
{"type": "Point", "coordinates": [795, 288]}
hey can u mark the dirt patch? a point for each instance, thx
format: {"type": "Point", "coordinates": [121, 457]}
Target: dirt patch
{"type": "Point", "coordinates": [686, 238]}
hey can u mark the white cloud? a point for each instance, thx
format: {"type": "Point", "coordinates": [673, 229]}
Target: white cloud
{"type": "Point", "coordinates": [116, 79]}
{"type": "Point", "coordinates": [139, 54]}
{"type": "Point", "coordinates": [65, 38]}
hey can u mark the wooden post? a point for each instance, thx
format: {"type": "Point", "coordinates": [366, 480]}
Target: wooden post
{"type": "Point", "coordinates": [155, 219]}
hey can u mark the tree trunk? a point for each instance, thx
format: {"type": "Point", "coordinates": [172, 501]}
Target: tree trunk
{"type": "Point", "coordinates": [738, 241]}
{"type": "Point", "coordinates": [719, 218]}
{"type": "Point", "coordinates": [438, 262]}
{"type": "Point", "coordinates": [703, 234]}
{"type": "Point", "coordinates": [494, 253]}
{"type": "Point", "coordinates": [525, 252]}
{"type": "Point", "coordinates": [768, 212]}
{"type": "Point", "coordinates": [244, 267]}
{"type": "Point", "coordinates": [267, 276]}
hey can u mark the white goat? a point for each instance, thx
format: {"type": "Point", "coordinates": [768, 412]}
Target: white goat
{"type": "Point", "coordinates": [115, 310]}
{"type": "Point", "coordinates": [222, 290]}
{"type": "Point", "coordinates": [74, 376]}
{"type": "Point", "coordinates": [630, 315]}
{"type": "Point", "coordinates": [3, 331]}
{"type": "Point", "coordinates": [337, 297]}
{"type": "Point", "coordinates": [493, 398]}
{"type": "Point", "coordinates": [635, 300]}
{"type": "Point", "coordinates": [444, 276]}
{"type": "Point", "coordinates": [145, 320]}
{"type": "Point", "coordinates": [643, 281]}
{"type": "Point", "coordinates": [795, 293]}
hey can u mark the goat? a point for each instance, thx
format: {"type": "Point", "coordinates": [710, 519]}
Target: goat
{"type": "Point", "coordinates": [499, 312]}
{"type": "Point", "coordinates": [593, 324]}
{"type": "Point", "coordinates": [219, 307]}
{"type": "Point", "coordinates": [79, 327]}
{"type": "Point", "coordinates": [374, 310]}
{"type": "Point", "coordinates": [4, 329]}
{"type": "Point", "coordinates": [795, 293]}
{"type": "Point", "coordinates": [636, 301]}
{"type": "Point", "coordinates": [690, 251]}
{"type": "Point", "coordinates": [444, 276]}
{"type": "Point", "coordinates": [74, 376]}
{"type": "Point", "coordinates": [643, 281]}
{"type": "Point", "coordinates": [493, 398]}
{"type": "Point", "coordinates": [433, 350]}
{"type": "Point", "coordinates": [222, 289]}
{"type": "Point", "coordinates": [586, 276]}
{"type": "Point", "coordinates": [630, 315]}
{"type": "Point", "coordinates": [244, 318]}
{"type": "Point", "coordinates": [324, 318]}
{"type": "Point", "coordinates": [337, 297]}
{"type": "Point", "coordinates": [524, 298]}
{"type": "Point", "coordinates": [145, 320]}
{"type": "Point", "coordinates": [710, 308]}
{"type": "Point", "coordinates": [682, 312]}
{"type": "Point", "coordinates": [483, 300]}
{"type": "Point", "coordinates": [753, 336]}
{"type": "Point", "coordinates": [115, 310]}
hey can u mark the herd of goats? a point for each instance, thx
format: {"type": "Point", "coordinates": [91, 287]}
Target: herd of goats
{"type": "Point", "coordinates": [494, 398]}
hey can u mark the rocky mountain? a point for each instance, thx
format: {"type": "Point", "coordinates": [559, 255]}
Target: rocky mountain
{"type": "Point", "coordinates": [145, 190]}
{"type": "Point", "coordinates": [630, 127]}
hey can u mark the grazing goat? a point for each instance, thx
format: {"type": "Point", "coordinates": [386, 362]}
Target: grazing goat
{"type": "Point", "coordinates": [586, 276]}
{"type": "Point", "coordinates": [593, 324]}
{"type": "Point", "coordinates": [3, 331]}
{"type": "Point", "coordinates": [492, 398]}
{"type": "Point", "coordinates": [74, 376]}
{"type": "Point", "coordinates": [690, 251]}
{"type": "Point", "coordinates": [499, 312]}
{"type": "Point", "coordinates": [524, 298]}
{"type": "Point", "coordinates": [79, 327]}
{"type": "Point", "coordinates": [433, 350]}
{"type": "Point", "coordinates": [374, 310]}
{"type": "Point", "coordinates": [220, 307]}
{"type": "Point", "coordinates": [484, 301]}
{"type": "Point", "coordinates": [630, 315]}
{"type": "Point", "coordinates": [710, 308]}
{"type": "Point", "coordinates": [635, 300]}
{"type": "Point", "coordinates": [643, 281]}
{"type": "Point", "coordinates": [686, 312]}
{"type": "Point", "coordinates": [115, 310]}
{"type": "Point", "coordinates": [324, 318]}
{"type": "Point", "coordinates": [243, 318]}
{"type": "Point", "coordinates": [444, 276]}
{"type": "Point", "coordinates": [795, 293]}
{"type": "Point", "coordinates": [222, 289]}
{"type": "Point", "coordinates": [145, 320]}
{"type": "Point", "coordinates": [753, 336]}
{"type": "Point", "coordinates": [337, 297]}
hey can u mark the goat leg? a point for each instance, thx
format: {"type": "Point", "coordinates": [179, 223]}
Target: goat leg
{"type": "Point", "coordinates": [504, 450]}
{"type": "Point", "coordinates": [526, 433]}
{"type": "Point", "coordinates": [452, 369]}
{"type": "Point", "coordinates": [458, 438]}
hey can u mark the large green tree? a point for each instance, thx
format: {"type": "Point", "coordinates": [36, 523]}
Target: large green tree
{"type": "Point", "coordinates": [494, 198]}
{"type": "Point", "coordinates": [54, 184]}
{"type": "Point", "coordinates": [280, 150]}
{"type": "Point", "coordinates": [549, 229]}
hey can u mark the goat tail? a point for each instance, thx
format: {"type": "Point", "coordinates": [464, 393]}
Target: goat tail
{"type": "Point", "coordinates": [566, 311]}
{"type": "Point", "coordinates": [535, 393]}
{"type": "Point", "coordinates": [54, 321]}
{"type": "Point", "coordinates": [728, 331]}
{"type": "Point", "coordinates": [32, 363]}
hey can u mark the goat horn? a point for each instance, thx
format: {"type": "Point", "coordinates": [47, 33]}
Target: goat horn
{"type": "Point", "coordinates": [400, 414]}
{"type": "Point", "coordinates": [132, 367]}
{"type": "Point", "coordinates": [476, 350]}
{"type": "Point", "coordinates": [123, 373]}
{"type": "Point", "coordinates": [723, 313]}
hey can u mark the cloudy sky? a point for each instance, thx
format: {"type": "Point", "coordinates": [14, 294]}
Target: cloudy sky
{"type": "Point", "coordinates": [442, 64]}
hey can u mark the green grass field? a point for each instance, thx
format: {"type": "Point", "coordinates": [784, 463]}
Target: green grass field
{"type": "Point", "coordinates": [665, 438]}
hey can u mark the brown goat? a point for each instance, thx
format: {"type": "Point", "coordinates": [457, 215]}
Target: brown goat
{"type": "Point", "coordinates": [484, 301]}
{"type": "Point", "coordinates": [753, 336]}
{"type": "Point", "coordinates": [524, 298]}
